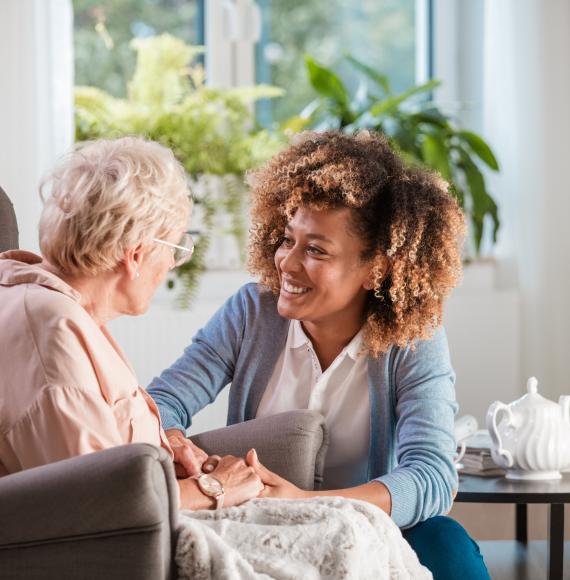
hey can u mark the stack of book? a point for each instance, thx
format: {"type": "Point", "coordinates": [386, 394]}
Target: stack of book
{"type": "Point", "coordinates": [477, 459]}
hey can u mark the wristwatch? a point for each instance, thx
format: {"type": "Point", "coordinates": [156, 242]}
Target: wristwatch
{"type": "Point", "coordinates": [211, 487]}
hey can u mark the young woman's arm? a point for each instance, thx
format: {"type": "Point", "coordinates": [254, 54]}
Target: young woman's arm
{"type": "Point", "coordinates": [373, 492]}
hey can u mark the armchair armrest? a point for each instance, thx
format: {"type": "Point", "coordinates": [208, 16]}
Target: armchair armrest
{"type": "Point", "coordinates": [110, 514]}
{"type": "Point", "coordinates": [293, 444]}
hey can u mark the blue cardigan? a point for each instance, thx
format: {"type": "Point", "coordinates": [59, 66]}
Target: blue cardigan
{"type": "Point", "coordinates": [412, 398]}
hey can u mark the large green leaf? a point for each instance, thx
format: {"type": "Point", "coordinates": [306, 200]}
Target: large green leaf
{"type": "Point", "coordinates": [431, 116]}
{"type": "Point", "coordinates": [482, 203]}
{"type": "Point", "coordinates": [326, 82]}
{"type": "Point", "coordinates": [493, 212]}
{"type": "Point", "coordinates": [295, 124]}
{"type": "Point", "coordinates": [436, 154]}
{"type": "Point", "coordinates": [458, 193]}
{"type": "Point", "coordinates": [380, 79]}
{"type": "Point", "coordinates": [480, 148]}
{"type": "Point", "coordinates": [391, 103]}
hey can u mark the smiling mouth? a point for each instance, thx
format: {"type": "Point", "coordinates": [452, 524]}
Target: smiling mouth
{"type": "Point", "coordinates": [291, 289]}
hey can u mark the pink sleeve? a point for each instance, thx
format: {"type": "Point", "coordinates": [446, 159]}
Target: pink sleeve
{"type": "Point", "coordinates": [63, 422]}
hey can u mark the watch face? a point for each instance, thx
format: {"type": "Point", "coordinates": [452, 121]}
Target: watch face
{"type": "Point", "coordinates": [210, 485]}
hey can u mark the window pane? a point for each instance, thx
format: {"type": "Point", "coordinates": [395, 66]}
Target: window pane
{"type": "Point", "coordinates": [104, 28]}
{"type": "Point", "coordinates": [380, 33]}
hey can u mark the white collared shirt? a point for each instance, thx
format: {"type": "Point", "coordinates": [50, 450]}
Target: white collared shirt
{"type": "Point", "coordinates": [340, 394]}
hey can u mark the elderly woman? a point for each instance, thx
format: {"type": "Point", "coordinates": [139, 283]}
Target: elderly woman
{"type": "Point", "coordinates": [112, 227]}
{"type": "Point", "coordinates": [356, 253]}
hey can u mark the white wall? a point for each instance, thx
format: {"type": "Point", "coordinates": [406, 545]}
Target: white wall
{"type": "Point", "coordinates": [506, 74]}
{"type": "Point", "coordinates": [527, 118]}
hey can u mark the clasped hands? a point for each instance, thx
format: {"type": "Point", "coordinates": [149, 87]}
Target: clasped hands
{"type": "Point", "coordinates": [242, 478]}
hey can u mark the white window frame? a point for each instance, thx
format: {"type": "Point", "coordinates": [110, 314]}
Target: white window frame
{"type": "Point", "coordinates": [233, 27]}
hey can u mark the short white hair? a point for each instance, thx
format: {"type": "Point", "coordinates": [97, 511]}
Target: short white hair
{"type": "Point", "coordinates": [107, 196]}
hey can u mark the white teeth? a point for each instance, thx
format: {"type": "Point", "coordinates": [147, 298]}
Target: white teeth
{"type": "Point", "coordinates": [294, 289]}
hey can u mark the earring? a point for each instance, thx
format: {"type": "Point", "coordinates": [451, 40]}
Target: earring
{"type": "Point", "coordinates": [137, 273]}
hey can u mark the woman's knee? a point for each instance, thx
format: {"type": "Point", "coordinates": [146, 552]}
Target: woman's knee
{"type": "Point", "coordinates": [446, 549]}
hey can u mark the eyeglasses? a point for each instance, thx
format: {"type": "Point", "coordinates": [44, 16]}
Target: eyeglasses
{"type": "Point", "coordinates": [182, 251]}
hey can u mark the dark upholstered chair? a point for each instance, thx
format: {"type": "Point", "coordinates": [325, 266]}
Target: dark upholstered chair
{"type": "Point", "coordinates": [8, 224]}
{"type": "Point", "coordinates": [112, 515]}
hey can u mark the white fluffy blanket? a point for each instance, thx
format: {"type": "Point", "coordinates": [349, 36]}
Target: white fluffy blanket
{"type": "Point", "coordinates": [294, 540]}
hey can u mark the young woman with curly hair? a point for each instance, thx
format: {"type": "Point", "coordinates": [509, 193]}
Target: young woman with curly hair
{"type": "Point", "coordinates": [356, 253]}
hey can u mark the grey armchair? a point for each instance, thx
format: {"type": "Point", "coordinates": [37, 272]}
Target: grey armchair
{"type": "Point", "coordinates": [112, 514]}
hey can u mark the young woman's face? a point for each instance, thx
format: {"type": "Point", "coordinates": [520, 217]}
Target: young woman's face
{"type": "Point", "coordinates": [320, 270]}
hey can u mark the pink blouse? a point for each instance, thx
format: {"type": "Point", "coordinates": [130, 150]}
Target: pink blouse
{"type": "Point", "coordinates": [65, 386]}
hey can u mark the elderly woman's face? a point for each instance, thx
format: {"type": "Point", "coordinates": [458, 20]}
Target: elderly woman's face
{"type": "Point", "coordinates": [320, 270]}
{"type": "Point", "coordinates": [159, 259]}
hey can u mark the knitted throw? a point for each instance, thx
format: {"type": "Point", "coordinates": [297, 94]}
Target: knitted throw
{"type": "Point", "coordinates": [328, 537]}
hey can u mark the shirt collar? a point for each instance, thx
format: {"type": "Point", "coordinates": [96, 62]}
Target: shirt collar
{"type": "Point", "coordinates": [299, 338]}
{"type": "Point", "coordinates": [354, 347]}
{"type": "Point", "coordinates": [20, 267]}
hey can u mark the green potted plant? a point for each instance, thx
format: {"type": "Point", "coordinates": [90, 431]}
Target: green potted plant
{"type": "Point", "coordinates": [422, 132]}
{"type": "Point", "coordinates": [211, 132]}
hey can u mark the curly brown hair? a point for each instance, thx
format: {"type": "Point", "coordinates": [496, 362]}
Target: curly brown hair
{"type": "Point", "coordinates": [404, 215]}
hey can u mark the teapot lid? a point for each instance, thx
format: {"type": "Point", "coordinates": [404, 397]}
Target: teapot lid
{"type": "Point", "coordinates": [532, 398]}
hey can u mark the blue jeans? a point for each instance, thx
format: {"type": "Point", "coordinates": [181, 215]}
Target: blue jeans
{"type": "Point", "coordinates": [446, 550]}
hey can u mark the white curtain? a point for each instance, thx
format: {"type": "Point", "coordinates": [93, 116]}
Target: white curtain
{"type": "Point", "coordinates": [36, 100]}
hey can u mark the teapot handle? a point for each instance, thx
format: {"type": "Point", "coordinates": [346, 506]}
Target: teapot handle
{"type": "Point", "coordinates": [491, 421]}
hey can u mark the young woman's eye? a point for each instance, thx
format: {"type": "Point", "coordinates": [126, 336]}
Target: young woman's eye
{"type": "Point", "coordinates": [286, 242]}
{"type": "Point", "coordinates": [315, 251]}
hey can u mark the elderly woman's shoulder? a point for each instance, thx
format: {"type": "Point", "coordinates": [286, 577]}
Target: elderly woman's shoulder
{"type": "Point", "coordinates": [47, 308]}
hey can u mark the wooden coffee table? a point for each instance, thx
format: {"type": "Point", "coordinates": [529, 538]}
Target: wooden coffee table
{"type": "Point", "coordinates": [527, 555]}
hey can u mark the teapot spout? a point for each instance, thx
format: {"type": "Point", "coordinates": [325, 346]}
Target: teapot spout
{"type": "Point", "coordinates": [564, 401]}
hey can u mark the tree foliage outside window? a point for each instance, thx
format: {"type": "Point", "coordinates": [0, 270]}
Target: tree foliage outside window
{"type": "Point", "coordinates": [104, 29]}
{"type": "Point", "coordinates": [378, 32]}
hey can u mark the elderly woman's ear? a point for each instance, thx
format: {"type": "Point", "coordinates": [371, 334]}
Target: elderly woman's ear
{"type": "Point", "coordinates": [132, 261]}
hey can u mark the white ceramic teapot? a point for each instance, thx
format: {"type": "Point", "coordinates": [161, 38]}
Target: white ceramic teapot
{"type": "Point", "coordinates": [532, 440]}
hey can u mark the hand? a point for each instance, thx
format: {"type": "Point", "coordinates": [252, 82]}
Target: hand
{"type": "Point", "coordinates": [188, 458]}
{"type": "Point", "coordinates": [240, 481]}
{"type": "Point", "coordinates": [275, 486]}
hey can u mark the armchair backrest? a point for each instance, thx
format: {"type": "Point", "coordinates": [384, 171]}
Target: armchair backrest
{"type": "Point", "coordinates": [8, 224]}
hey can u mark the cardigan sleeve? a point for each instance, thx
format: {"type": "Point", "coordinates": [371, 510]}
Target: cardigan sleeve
{"type": "Point", "coordinates": [424, 482]}
{"type": "Point", "coordinates": [206, 366]}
